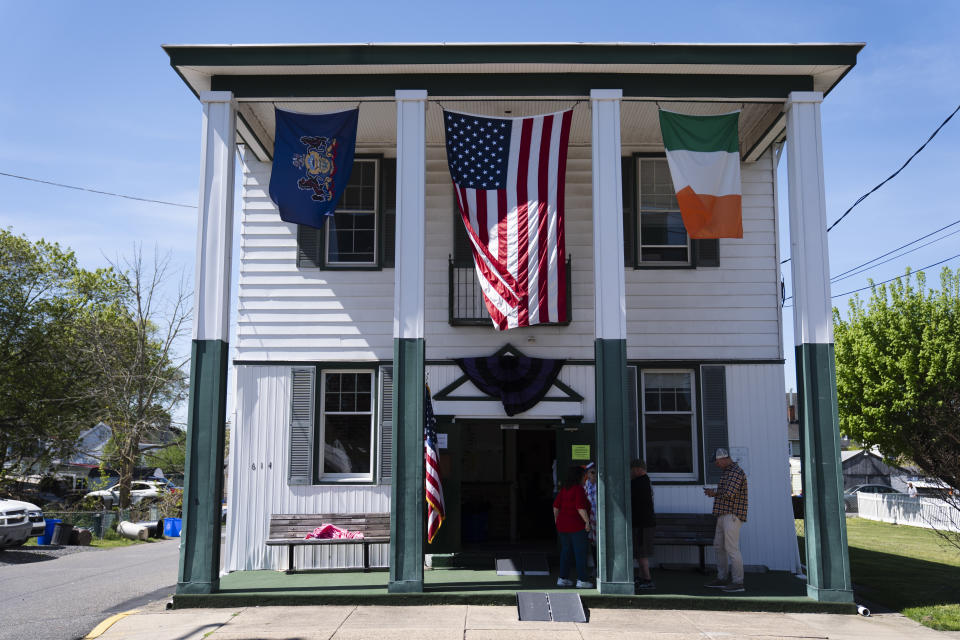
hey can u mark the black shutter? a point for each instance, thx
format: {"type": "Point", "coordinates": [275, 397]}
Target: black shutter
{"type": "Point", "coordinates": [706, 253]}
{"type": "Point", "coordinates": [302, 385]}
{"type": "Point", "coordinates": [462, 250]}
{"type": "Point", "coordinates": [388, 202]}
{"type": "Point", "coordinates": [386, 424]}
{"type": "Point", "coordinates": [309, 246]}
{"type": "Point", "coordinates": [628, 169]}
{"type": "Point", "coordinates": [713, 383]}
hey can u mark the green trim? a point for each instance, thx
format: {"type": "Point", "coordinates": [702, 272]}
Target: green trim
{"type": "Point", "coordinates": [615, 540]}
{"type": "Point", "coordinates": [434, 54]}
{"type": "Point", "coordinates": [828, 563]}
{"type": "Point", "coordinates": [203, 481]}
{"type": "Point", "coordinates": [516, 84]}
{"type": "Point", "coordinates": [407, 498]}
{"type": "Point", "coordinates": [700, 133]}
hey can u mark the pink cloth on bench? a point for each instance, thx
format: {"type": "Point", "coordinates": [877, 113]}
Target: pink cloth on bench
{"type": "Point", "coordinates": [332, 531]}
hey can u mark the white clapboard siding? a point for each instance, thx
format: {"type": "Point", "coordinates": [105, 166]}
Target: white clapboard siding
{"type": "Point", "coordinates": [286, 313]}
{"type": "Point", "coordinates": [258, 482]}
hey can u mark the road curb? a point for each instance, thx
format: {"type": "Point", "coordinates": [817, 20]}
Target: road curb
{"type": "Point", "coordinates": [101, 628]}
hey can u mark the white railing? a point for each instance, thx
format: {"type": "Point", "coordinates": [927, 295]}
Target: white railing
{"type": "Point", "coordinates": [931, 513]}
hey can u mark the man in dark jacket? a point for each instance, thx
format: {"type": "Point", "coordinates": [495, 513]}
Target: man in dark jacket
{"type": "Point", "coordinates": [644, 520]}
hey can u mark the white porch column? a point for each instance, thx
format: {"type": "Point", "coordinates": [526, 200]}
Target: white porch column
{"type": "Point", "coordinates": [407, 492]}
{"type": "Point", "coordinates": [828, 567]}
{"type": "Point", "coordinates": [203, 482]}
{"type": "Point", "coordinates": [614, 540]}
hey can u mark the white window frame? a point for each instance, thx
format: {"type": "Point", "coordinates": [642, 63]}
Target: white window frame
{"type": "Point", "coordinates": [641, 209]}
{"type": "Point", "coordinates": [321, 429]}
{"type": "Point", "coordinates": [694, 444]}
{"type": "Point", "coordinates": [376, 222]}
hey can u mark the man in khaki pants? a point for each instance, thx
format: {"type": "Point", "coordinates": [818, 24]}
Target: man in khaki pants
{"type": "Point", "coordinates": [730, 507]}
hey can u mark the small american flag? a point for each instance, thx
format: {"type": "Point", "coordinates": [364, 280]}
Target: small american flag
{"type": "Point", "coordinates": [508, 176]}
{"type": "Point", "coordinates": [434, 490]}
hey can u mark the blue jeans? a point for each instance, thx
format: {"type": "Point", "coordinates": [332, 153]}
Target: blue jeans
{"type": "Point", "coordinates": [574, 544]}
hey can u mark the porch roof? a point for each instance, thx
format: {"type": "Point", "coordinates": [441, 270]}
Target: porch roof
{"type": "Point", "coordinates": [515, 79]}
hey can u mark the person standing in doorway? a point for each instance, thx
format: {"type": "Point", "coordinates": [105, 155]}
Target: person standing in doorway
{"type": "Point", "coordinates": [911, 490]}
{"type": "Point", "coordinates": [571, 513]}
{"type": "Point", "coordinates": [644, 521]}
{"type": "Point", "coordinates": [730, 507]}
{"type": "Point", "coordinates": [590, 488]}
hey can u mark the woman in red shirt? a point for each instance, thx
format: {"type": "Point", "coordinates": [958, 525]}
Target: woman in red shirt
{"type": "Point", "coordinates": [571, 511]}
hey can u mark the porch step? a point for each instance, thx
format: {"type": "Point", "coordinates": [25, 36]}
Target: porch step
{"type": "Point", "coordinates": [550, 607]}
{"type": "Point", "coordinates": [527, 564]}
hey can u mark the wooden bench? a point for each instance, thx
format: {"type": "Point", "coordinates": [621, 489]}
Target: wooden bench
{"type": "Point", "coordinates": [686, 529]}
{"type": "Point", "coordinates": [290, 530]}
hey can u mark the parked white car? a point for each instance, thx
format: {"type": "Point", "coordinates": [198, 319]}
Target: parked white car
{"type": "Point", "coordinates": [18, 522]}
{"type": "Point", "coordinates": [139, 490]}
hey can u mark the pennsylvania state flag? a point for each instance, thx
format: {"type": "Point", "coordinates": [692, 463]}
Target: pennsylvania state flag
{"type": "Point", "coordinates": [312, 161]}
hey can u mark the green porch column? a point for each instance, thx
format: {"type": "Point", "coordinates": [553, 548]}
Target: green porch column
{"type": "Point", "coordinates": [203, 481]}
{"type": "Point", "coordinates": [614, 541]}
{"type": "Point", "coordinates": [828, 564]}
{"type": "Point", "coordinates": [407, 492]}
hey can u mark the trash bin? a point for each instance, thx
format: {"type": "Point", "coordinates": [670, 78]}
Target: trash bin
{"type": "Point", "coordinates": [61, 533]}
{"type": "Point", "coordinates": [48, 531]}
{"type": "Point", "coordinates": [171, 527]}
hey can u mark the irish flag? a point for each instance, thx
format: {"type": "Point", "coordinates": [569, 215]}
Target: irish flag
{"type": "Point", "coordinates": [704, 157]}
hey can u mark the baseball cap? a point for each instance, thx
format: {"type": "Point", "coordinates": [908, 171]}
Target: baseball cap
{"type": "Point", "coordinates": [720, 453]}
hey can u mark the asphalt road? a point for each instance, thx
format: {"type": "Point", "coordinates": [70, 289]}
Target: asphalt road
{"type": "Point", "coordinates": [48, 597]}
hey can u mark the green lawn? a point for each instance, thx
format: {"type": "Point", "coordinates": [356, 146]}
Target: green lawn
{"type": "Point", "coordinates": [907, 569]}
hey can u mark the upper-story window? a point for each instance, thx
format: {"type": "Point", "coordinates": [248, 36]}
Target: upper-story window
{"type": "Point", "coordinates": [360, 233]}
{"type": "Point", "coordinates": [662, 238]}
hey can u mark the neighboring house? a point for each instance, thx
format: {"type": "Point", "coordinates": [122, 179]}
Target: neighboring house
{"type": "Point", "coordinates": [868, 467]}
{"type": "Point", "coordinates": [328, 333]}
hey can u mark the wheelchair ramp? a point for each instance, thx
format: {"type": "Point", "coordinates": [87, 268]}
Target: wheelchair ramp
{"type": "Point", "coordinates": [550, 607]}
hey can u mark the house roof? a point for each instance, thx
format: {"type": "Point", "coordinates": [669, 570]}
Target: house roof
{"type": "Point", "coordinates": [517, 78]}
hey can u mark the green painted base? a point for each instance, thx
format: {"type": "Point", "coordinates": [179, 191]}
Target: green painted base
{"type": "Point", "coordinates": [829, 595]}
{"type": "Point", "coordinates": [198, 588]}
{"type": "Point", "coordinates": [410, 586]}
{"type": "Point", "coordinates": [617, 588]}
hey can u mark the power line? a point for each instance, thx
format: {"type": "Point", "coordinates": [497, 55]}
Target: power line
{"type": "Point", "coordinates": [104, 193]}
{"type": "Point", "coordinates": [891, 177]}
{"type": "Point", "coordinates": [870, 286]}
{"type": "Point", "coordinates": [894, 174]}
{"type": "Point", "coordinates": [898, 248]}
{"type": "Point", "coordinates": [840, 277]}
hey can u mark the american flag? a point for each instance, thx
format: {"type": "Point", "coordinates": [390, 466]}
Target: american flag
{"type": "Point", "coordinates": [508, 177]}
{"type": "Point", "coordinates": [435, 508]}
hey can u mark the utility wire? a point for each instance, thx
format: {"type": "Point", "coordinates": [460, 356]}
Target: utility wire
{"type": "Point", "coordinates": [837, 277]}
{"type": "Point", "coordinates": [104, 193]}
{"type": "Point", "coordinates": [891, 177]}
{"type": "Point", "coordinates": [900, 255]}
{"type": "Point", "coordinates": [894, 174]}
{"type": "Point", "coordinates": [870, 286]}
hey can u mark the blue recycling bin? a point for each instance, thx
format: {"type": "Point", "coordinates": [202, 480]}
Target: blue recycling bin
{"type": "Point", "coordinates": [47, 536]}
{"type": "Point", "coordinates": [171, 527]}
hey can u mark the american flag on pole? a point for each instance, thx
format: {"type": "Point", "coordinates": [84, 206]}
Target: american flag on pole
{"type": "Point", "coordinates": [435, 508]}
{"type": "Point", "coordinates": [508, 177]}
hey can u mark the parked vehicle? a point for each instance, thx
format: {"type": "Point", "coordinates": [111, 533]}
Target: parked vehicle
{"type": "Point", "coordinates": [19, 521]}
{"type": "Point", "coordinates": [850, 495]}
{"type": "Point", "coordinates": [139, 490]}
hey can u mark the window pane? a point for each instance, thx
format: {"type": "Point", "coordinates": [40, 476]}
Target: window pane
{"type": "Point", "coordinates": [656, 185]}
{"type": "Point", "coordinates": [361, 191]}
{"type": "Point", "coordinates": [346, 444]}
{"type": "Point", "coordinates": [651, 400]}
{"type": "Point", "coordinates": [352, 237]}
{"type": "Point", "coordinates": [668, 445]}
{"type": "Point", "coordinates": [663, 228]}
{"type": "Point", "coordinates": [661, 254]}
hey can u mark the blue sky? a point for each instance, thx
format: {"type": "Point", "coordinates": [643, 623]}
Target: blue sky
{"type": "Point", "coordinates": [88, 98]}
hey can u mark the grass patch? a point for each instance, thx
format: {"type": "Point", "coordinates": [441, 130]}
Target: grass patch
{"type": "Point", "coordinates": [908, 569]}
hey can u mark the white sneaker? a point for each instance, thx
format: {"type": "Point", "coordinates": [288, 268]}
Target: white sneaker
{"type": "Point", "coordinates": [563, 582]}
{"type": "Point", "coordinates": [582, 584]}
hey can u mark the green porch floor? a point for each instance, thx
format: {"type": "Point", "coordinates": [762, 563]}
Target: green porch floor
{"type": "Point", "coordinates": [681, 589]}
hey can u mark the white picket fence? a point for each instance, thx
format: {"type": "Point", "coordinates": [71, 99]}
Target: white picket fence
{"type": "Point", "coordinates": [930, 513]}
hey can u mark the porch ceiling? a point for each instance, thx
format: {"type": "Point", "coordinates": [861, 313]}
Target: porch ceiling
{"type": "Point", "coordinates": [516, 80]}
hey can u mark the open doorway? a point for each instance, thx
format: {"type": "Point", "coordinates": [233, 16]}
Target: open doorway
{"type": "Point", "coordinates": [507, 485]}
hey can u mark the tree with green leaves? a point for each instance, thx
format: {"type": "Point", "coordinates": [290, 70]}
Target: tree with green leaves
{"type": "Point", "coordinates": [898, 374]}
{"type": "Point", "coordinates": [44, 298]}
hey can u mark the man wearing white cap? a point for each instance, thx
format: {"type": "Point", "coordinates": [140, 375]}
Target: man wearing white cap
{"type": "Point", "coordinates": [730, 507]}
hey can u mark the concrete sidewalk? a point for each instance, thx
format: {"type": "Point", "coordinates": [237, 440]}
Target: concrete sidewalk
{"type": "Point", "coordinates": [470, 622]}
